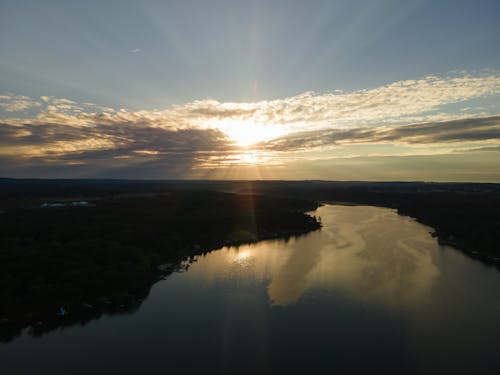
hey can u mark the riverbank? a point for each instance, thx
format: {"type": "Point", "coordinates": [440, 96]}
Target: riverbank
{"type": "Point", "coordinates": [70, 264]}
{"type": "Point", "coordinates": [105, 254]}
{"type": "Point", "coordinates": [443, 235]}
{"type": "Point", "coordinates": [465, 216]}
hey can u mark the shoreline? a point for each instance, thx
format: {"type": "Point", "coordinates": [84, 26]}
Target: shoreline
{"type": "Point", "coordinates": [38, 323]}
{"type": "Point", "coordinates": [443, 239]}
{"type": "Point", "coordinates": [131, 280]}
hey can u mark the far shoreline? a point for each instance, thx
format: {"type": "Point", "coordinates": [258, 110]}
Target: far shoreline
{"type": "Point", "coordinates": [449, 239]}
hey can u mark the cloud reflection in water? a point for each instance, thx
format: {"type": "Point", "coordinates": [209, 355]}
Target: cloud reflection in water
{"type": "Point", "coordinates": [370, 253]}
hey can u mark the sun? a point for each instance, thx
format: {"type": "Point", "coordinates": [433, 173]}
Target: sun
{"type": "Point", "coordinates": [247, 133]}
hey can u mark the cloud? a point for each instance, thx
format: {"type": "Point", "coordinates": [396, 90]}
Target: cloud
{"type": "Point", "coordinates": [401, 102]}
{"type": "Point", "coordinates": [115, 147]}
{"type": "Point", "coordinates": [64, 134]}
{"type": "Point", "coordinates": [394, 103]}
{"type": "Point", "coordinates": [481, 149]}
{"type": "Point", "coordinates": [463, 130]}
{"type": "Point", "coordinates": [17, 103]}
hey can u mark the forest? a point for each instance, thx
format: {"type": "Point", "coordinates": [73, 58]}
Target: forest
{"type": "Point", "coordinates": [106, 255]}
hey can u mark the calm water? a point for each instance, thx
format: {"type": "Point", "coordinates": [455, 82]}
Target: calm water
{"type": "Point", "coordinates": [371, 292]}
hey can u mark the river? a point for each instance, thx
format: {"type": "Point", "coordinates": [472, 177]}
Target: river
{"type": "Point", "coordinates": [371, 292]}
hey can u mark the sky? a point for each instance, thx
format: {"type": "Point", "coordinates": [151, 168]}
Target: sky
{"type": "Point", "coordinates": [332, 90]}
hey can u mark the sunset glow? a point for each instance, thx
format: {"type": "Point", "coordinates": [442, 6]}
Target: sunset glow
{"type": "Point", "coordinates": [365, 93]}
{"type": "Point", "coordinates": [250, 186]}
{"type": "Point", "coordinates": [246, 133]}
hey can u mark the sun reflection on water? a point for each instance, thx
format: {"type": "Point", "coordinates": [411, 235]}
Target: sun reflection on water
{"type": "Point", "coordinates": [243, 257]}
{"type": "Point", "coordinates": [372, 253]}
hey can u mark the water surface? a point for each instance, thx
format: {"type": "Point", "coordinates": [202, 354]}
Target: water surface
{"type": "Point", "coordinates": [371, 292]}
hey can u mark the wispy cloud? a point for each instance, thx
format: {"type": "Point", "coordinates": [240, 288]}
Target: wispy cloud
{"type": "Point", "coordinates": [463, 130]}
{"type": "Point", "coordinates": [400, 102]}
{"type": "Point", "coordinates": [17, 103]}
{"type": "Point", "coordinates": [395, 103]}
